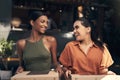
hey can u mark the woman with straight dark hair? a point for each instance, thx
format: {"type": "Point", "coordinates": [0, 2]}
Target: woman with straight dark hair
{"type": "Point", "coordinates": [38, 50]}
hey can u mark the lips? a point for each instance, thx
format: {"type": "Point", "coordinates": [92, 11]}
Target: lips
{"type": "Point", "coordinates": [76, 34]}
{"type": "Point", "coordinates": [43, 28]}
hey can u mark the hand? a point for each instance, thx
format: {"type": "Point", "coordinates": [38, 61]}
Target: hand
{"type": "Point", "coordinates": [19, 69]}
{"type": "Point", "coordinates": [68, 72]}
{"type": "Point", "coordinates": [59, 69]}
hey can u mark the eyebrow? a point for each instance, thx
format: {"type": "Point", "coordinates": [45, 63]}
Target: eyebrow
{"type": "Point", "coordinates": [76, 26]}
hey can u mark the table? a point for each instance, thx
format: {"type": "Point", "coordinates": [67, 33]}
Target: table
{"type": "Point", "coordinates": [95, 77]}
{"type": "Point", "coordinates": [52, 75]}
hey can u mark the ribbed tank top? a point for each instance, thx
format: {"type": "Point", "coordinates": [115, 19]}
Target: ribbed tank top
{"type": "Point", "coordinates": [36, 57]}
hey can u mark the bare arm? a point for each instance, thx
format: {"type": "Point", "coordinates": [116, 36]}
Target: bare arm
{"type": "Point", "coordinates": [20, 44]}
{"type": "Point", "coordinates": [53, 50]}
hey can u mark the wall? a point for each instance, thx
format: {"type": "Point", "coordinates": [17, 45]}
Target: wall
{"type": "Point", "coordinates": [5, 17]}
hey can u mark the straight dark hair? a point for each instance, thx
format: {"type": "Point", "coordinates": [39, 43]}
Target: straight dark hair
{"type": "Point", "coordinates": [35, 14]}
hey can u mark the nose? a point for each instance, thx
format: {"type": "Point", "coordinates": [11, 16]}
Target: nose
{"type": "Point", "coordinates": [46, 24]}
{"type": "Point", "coordinates": [74, 30]}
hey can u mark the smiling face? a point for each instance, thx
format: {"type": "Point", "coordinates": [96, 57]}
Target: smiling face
{"type": "Point", "coordinates": [81, 32]}
{"type": "Point", "coordinates": [40, 24]}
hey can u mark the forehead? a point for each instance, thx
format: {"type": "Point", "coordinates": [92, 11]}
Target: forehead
{"type": "Point", "coordinates": [77, 23]}
{"type": "Point", "coordinates": [43, 17]}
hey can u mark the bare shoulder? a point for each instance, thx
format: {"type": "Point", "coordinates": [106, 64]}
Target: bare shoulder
{"type": "Point", "coordinates": [50, 38]}
{"type": "Point", "coordinates": [21, 43]}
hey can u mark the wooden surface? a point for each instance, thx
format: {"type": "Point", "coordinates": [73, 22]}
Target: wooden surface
{"type": "Point", "coordinates": [54, 76]}
{"type": "Point", "coordinates": [24, 76]}
{"type": "Point", "coordinates": [95, 77]}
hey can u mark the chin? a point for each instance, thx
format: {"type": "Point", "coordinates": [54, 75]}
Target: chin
{"type": "Point", "coordinates": [41, 32]}
{"type": "Point", "coordinates": [77, 38]}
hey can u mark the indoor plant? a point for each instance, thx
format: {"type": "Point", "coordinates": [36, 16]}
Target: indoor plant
{"type": "Point", "coordinates": [5, 51]}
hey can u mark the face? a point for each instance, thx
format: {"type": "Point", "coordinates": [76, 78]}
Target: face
{"type": "Point", "coordinates": [40, 25]}
{"type": "Point", "coordinates": [80, 31]}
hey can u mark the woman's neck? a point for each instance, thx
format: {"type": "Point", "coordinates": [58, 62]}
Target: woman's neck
{"type": "Point", "coordinates": [86, 41]}
{"type": "Point", "coordinates": [35, 36]}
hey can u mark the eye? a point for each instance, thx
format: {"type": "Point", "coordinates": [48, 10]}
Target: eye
{"type": "Point", "coordinates": [76, 27]}
{"type": "Point", "coordinates": [42, 21]}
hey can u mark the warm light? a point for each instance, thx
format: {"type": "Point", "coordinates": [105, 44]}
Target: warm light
{"type": "Point", "coordinates": [16, 21]}
{"type": "Point", "coordinates": [8, 59]}
{"type": "Point", "coordinates": [80, 8]}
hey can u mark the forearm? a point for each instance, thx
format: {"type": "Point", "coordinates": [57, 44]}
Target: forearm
{"type": "Point", "coordinates": [103, 70]}
{"type": "Point", "coordinates": [20, 61]}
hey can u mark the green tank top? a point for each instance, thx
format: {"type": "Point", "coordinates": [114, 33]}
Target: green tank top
{"type": "Point", "coordinates": [36, 57]}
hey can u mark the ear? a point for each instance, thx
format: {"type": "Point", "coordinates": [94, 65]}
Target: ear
{"type": "Point", "coordinates": [32, 22]}
{"type": "Point", "coordinates": [89, 29]}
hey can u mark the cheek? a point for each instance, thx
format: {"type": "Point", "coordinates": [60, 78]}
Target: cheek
{"type": "Point", "coordinates": [79, 38]}
{"type": "Point", "coordinates": [82, 32]}
{"type": "Point", "coordinates": [38, 26]}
